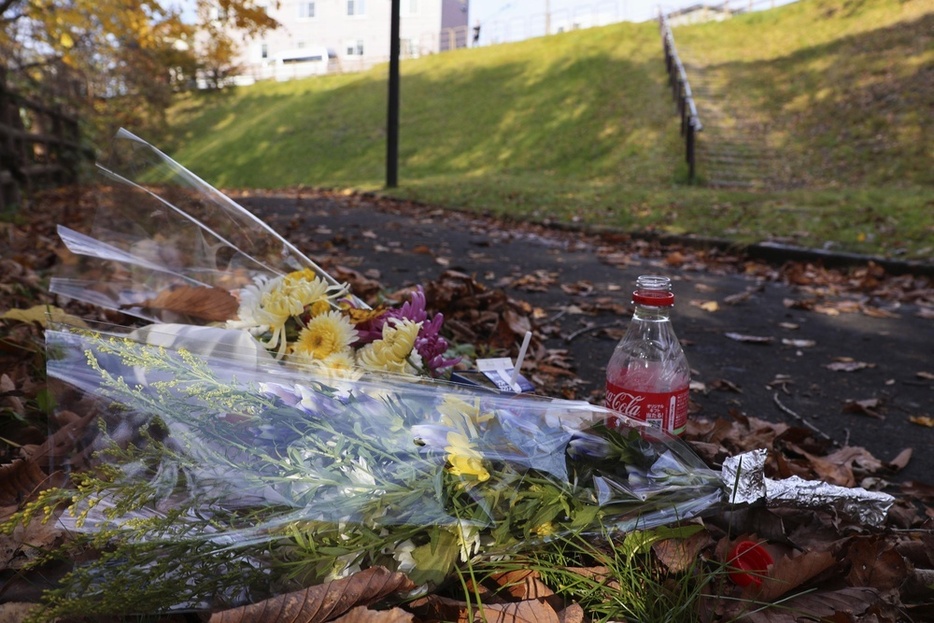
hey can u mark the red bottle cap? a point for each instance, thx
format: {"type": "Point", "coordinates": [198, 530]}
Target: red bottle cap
{"type": "Point", "coordinates": [749, 562]}
{"type": "Point", "coordinates": [653, 298]}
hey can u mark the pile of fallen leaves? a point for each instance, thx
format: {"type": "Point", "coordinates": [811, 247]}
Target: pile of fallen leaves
{"type": "Point", "coordinates": [827, 568]}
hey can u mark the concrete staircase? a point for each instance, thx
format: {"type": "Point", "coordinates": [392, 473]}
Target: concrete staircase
{"type": "Point", "coordinates": [732, 151]}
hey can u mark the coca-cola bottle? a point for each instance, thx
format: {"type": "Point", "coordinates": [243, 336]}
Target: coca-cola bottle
{"type": "Point", "coordinates": [648, 377]}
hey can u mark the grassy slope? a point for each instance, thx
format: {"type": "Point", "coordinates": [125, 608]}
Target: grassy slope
{"type": "Point", "coordinates": [581, 127]}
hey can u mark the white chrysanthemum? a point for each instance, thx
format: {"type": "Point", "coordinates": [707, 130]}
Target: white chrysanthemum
{"type": "Point", "coordinates": [264, 308]}
{"type": "Point", "coordinates": [395, 352]}
{"type": "Point", "coordinates": [250, 310]}
{"type": "Point", "coordinates": [468, 538]}
{"type": "Point", "coordinates": [402, 554]}
{"type": "Point", "coordinates": [267, 305]}
{"type": "Point", "coordinates": [304, 287]}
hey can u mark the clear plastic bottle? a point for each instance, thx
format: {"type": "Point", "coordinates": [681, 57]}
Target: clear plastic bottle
{"type": "Point", "coordinates": [648, 377]}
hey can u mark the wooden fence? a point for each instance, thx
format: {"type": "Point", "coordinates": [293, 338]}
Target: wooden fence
{"type": "Point", "coordinates": [40, 146]}
{"type": "Point", "coordinates": [681, 90]}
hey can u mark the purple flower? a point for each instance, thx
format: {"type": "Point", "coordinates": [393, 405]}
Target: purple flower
{"type": "Point", "coordinates": [429, 344]}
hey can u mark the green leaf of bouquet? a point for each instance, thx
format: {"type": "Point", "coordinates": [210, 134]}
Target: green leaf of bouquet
{"type": "Point", "coordinates": [435, 559]}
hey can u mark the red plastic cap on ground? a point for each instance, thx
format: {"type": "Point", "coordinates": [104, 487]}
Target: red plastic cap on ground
{"type": "Point", "coordinates": [749, 563]}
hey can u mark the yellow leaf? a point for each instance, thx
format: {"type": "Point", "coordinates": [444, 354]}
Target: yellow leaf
{"type": "Point", "coordinates": [922, 420]}
{"type": "Point", "coordinates": [66, 41]}
{"type": "Point", "coordinates": [43, 314]}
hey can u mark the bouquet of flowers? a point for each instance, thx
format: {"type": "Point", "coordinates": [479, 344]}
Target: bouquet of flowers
{"type": "Point", "coordinates": [268, 431]}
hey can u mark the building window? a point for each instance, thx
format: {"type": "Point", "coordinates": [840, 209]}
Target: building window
{"type": "Point", "coordinates": [306, 10]}
{"type": "Point", "coordinates": [356, 7]}
{"type": "Point", "coordinates": [264, 51]}
{"type": "Point", "coordinates": [355, 48]}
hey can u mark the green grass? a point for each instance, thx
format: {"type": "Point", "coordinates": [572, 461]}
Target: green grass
{"type": "Point", "coordinates": [581, 128]}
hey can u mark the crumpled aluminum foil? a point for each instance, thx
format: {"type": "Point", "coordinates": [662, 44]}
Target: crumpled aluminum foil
{"type": "Point", "coordinates": [745, 482]}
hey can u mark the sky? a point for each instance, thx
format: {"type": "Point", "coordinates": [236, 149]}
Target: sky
{"type": "Point", "coordinates": [510, 20]}
{"type": "Point", "coordinates": [513, 20]}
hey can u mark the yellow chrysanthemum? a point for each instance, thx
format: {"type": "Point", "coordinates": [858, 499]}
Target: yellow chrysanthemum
{"type": "Point", "coordinates": [545, 530]}
{"type": "Point", "coordinates": [462, 415]}
{"type": "Point", "coordinates": [338, 367]}
{"type": "Point", "coordinates": [297, 291]}
{"type": "Point", "coordinates": [393, 352]}
{"type": "Point", "coordinates": [325, 335]}
{"type": "Point", "coordinates": [464, 459]}
{"type": "Point", "coordinates": [320, 307]}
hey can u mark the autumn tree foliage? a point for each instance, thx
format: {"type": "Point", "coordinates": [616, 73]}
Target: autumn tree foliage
{"type": "Point", "coordinates": [118, 62]}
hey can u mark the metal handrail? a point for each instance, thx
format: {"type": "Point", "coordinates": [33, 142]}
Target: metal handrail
{"type": "Point", "coordinates": [681, 90]}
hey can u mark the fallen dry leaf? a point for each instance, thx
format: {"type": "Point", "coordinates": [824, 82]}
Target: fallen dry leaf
{"type": "Point", "coordinates": [679, 555]}
{"type": "Point", "coordinates": [901, 460]}
{"type": "Point", "coordinates": [849, 603]}
{"type": "Point", "coordinates": [321, 603]}
{"type": "Point", "coordinates": [210, 304]}
{"type": "Point", "coordinates": [709, 306]}
{"type": "Point", "coordinates": [875, 562]}
{"type": "Point", "coordinates": [523, 584]}
{"type": "Point", "coordinates": [864, 407]}
{"type": "Point", "coordinates": [922, 420]}
{"type": "Point", "coordinates": [725, 385]}
{"type": "Point", "coordinates": [788, 573]}
{"type": "Point", "coordinates": [42, 315]}
{"type": "Point", "coordinates": [527, 611]}
{"type": "Point", "coordinates": [362, 614]}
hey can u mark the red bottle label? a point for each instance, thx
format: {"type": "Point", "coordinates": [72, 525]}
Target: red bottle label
{"type": "Point", "coordinates": [667, 410]}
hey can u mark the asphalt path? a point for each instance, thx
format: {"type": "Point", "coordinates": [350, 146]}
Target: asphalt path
{"type": "Point", "coordinates": [788, 377]}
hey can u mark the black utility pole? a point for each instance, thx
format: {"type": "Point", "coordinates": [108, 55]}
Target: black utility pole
{"type": "Point", "coordinates": [392, 129]}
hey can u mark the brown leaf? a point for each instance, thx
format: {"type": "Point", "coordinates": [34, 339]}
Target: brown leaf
{"type": "Point", "coordinates": [679, 555]}
{"type": "Point", "coordinates": [675, 258]}
{"type": "Point", "coordinates": [527, 611]}
{"type": "Point", "coordinates": [874, 562]}
{"type": "Point", "coordinates": [922, 420]}
{"type": "Point", "coordinates": [864, 407]}
{"type": "Point", "coordinates": [725, 386]}
{"type": "Point", "coordinates": [517, 323]}
{"type": "Point", "coordinates": [820, 605]}
{"type": "Point", "coordinates": [788, 573]}
{"type": "Point", "coordinates": [210, 304]}
{"type": "Point", "coordinates": [599, 574]}
{"type": "Point", "coordinates": [320, 603]}
{"type": "Point", "coordinates": [573, 613]}
{"type": "Point", "coordinates": [362, 614]}
{"type": "Point", "coordinates": [434, 607]}
{"type": "Point", "coordinates": [20, 480]}
{"type": "Point", "coordinates": [900, 461]}
{"type": "Point", "coordinates": [523, 584]}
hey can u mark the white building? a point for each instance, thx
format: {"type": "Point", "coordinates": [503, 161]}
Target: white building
{"type": "Point", "coordinates": [320, 36]}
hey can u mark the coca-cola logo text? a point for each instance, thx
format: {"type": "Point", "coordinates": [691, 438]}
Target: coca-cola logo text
{"type": "Point", "coordinates": [625, 403]}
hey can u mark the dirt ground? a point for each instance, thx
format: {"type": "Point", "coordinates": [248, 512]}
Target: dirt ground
{"type": "Point", "coordinates": [845, 357]}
